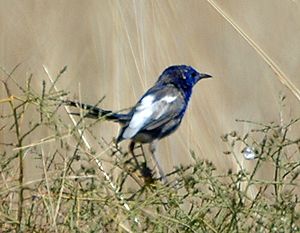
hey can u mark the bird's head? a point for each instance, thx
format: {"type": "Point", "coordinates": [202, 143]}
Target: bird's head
{"type": "Point", "coordinates": [182, 75]}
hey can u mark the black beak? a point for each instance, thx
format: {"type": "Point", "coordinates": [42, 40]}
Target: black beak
{"type": "Point", "coordinates": [205, 76]}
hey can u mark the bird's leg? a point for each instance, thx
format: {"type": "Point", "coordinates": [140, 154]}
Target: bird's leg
{"type": "Point", "coordinates": [153, 147]}
{"type": "Point", "coordinates": [131, 150]}
{"type": "Point", "coordinates": [144, 170]}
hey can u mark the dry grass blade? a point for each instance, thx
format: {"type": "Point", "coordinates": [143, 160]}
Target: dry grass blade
{"type": "Point", "coordinates": [51, 209]}
{"type": "Point", "coordinates": [98, 162]}
{"type": "Point", "coordinates": [279, 73]}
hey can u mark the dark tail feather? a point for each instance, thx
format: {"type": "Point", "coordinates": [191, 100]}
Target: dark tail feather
{"type": "Point", "coordinates": [95, 112]}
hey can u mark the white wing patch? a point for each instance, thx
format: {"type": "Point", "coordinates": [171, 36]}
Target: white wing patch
{"type": "Point", "coordinates": [169, 99]}
{"type": "Point", "coordinates": [143, 112]}
{"type": "Point", "coordinates": [163, 109]}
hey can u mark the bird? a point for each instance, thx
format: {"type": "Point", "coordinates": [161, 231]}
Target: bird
{"type": "Point", "coordinates": [157, 114]}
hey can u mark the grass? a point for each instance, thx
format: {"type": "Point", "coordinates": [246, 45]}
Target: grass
{"type": "Point", "coordinates": [80, 190]}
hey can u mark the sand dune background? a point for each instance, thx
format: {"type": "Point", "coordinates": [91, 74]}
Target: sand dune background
{"type": "Point", "coordinates": [118, 49]}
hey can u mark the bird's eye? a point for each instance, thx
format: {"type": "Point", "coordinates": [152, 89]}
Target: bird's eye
{"type": "Point", "coordinates": [194, 75]}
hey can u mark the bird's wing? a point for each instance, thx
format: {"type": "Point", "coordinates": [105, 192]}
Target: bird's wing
{"type": "Point", "coordinates": [156, 108]}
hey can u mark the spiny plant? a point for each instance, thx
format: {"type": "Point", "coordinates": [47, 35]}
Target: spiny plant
{"type": "Point", "coordinates": [81, 186]}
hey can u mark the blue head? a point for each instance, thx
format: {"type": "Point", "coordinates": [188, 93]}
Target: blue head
{"type": "Point", "coordinates": [182, 76]}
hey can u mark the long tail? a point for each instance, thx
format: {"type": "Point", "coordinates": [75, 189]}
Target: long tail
{"type": "Point", "coordinates": [96, 113]}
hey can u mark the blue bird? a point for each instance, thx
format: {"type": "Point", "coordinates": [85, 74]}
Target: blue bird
{"type": "Point", "coordinates": [159, 111]}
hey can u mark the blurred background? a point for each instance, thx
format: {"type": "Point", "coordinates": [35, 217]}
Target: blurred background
{"type": "Point", "coordinates": [117, 49]}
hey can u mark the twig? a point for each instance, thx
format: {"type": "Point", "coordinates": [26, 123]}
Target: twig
{"type": "Point", "coordinates": [98, 162]}
{"type": "Point", "coordinates": [20, 154]}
